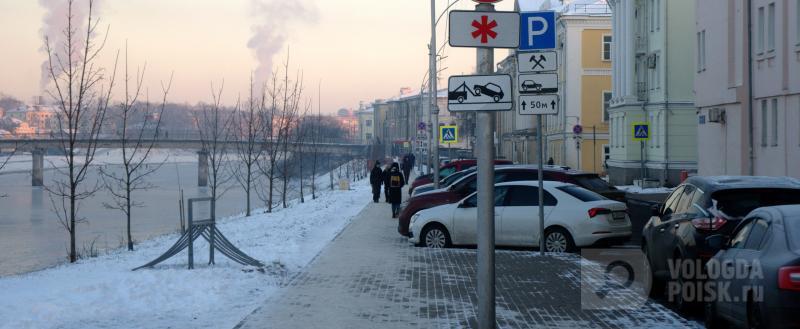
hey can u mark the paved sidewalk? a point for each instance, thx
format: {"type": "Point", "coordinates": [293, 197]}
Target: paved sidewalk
{"type": "Point", "coordinates": [370, 277]}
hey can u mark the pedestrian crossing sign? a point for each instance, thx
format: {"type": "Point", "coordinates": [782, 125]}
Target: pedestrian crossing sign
{"type": "Point", "coordinates": [641, 131]}
{"type": "Point", "coordinates": [448, 134]}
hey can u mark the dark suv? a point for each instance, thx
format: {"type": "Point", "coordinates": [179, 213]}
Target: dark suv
{"type": "Point", "coordinates": [703, 206]}
{"type": "Point", "coordinates": [510, 173]}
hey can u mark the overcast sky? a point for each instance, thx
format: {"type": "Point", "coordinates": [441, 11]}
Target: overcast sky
{"type": "Point", "coordinates": [360, 50]}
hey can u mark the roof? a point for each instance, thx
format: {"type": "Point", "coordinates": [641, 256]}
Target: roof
{"type": "Point", "coordinates": [713, 183]}
{"type": "Point", "coordinates": [569, 7]}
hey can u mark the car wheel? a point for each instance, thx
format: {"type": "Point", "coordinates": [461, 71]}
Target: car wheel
{"type": "Point", "coordinates": [496, 99]}
{"type": "Point", "coordinates": [524, 87]}
{"type": "Point", "coordinates": [435, 236]}
{"type": "Point", "coordinates": [679, 304]}
{"type": "Point", "coordinates": [656, 285]}
{"type": "Point", "coordinates": [712, 321]}
{"type": "Point", "coordinates": [558, 240]}
{"type": "Point", "coordinates": [460, 99]}
{"type": "Point", "coordinates": [754, 318]}
{"type": "Point", "coordinates": [477, 91]}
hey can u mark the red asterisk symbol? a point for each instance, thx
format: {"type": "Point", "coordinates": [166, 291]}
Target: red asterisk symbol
{"type": "Point", "coordinates": [484, 29]}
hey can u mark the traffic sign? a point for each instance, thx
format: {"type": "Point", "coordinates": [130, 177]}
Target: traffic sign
{"type": "Point", "coordinates": [491, 29]}
{"type": "Point", "coordinates": [537, 30]}
{"type": "Point", "coordinates": [537, 83]}
{"type": "Point", "coordinates": [448, 134]}
{"type": "Point", "coordinates": [538, 104]}
{"type": "Point", "coordinates": [641, 131]}
{"type": "Point", "coordinates": [577, 129]}
{"type": "Point", "coordinates": [421, 126]}
{"type": "Point", "coordinates": [536, 62]}
{"type": "Point", "coordinates": [479, 93]}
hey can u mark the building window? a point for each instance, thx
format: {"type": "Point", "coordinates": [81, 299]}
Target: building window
{"type": "Point", "coordinates": [797, 21]}
{"type": "Point", "coordinates": [764, 123]}
{"type": "Point", "coordinates": [774, 122]}
{"type": "Point", "coordinates": [606, 47]}
{"type": "Point", "coordinates": [606, 103]}
{"type": "Point", "coordinates": [658, 15]}
{"type": "Point", "coordinates": [368, 136]}
{"type": "Point", "coordinates": [701, 51]}
{"type": "Point", "coordinates": [368, 123]}
{"type": "Point", "coordinates": [771, 28]}
{"type": "Point", "coordinates": [652, 15]}
{"type": "Point", "coordinates": [761, 24]}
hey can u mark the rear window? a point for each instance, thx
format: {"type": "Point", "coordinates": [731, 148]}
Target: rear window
{"type": "Point", "coordinates": [740, 202]}
{"type": "Point", "coordinates": [792, 226]}
{"type": "Point", "coordinates": [581, 193]}
{"type": "Point", "coordinates": [593, 183]}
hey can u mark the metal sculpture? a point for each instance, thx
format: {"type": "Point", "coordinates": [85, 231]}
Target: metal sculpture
{"type": "Point", "coordinates": [206, 228]}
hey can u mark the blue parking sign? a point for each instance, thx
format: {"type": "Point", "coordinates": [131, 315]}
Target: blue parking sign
{"type": "Point", "coordinates": [537, 30]}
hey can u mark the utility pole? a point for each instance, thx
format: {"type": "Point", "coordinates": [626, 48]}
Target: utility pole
{"type": "Point", "coordinates": [485, 172]}
{"type": "Point", "coordinates": [434, 110]}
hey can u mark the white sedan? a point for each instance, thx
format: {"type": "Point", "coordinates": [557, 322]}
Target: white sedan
{"type": "Point", "coordinates": [574, 217]}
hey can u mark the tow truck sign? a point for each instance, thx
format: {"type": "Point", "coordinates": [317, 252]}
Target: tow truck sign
{"type": "Point", "coordinates": [479, 93]}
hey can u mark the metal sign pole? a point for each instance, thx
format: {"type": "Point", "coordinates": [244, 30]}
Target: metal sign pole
{"type": "Point", "coordinates": [541, 183]}
{"type": "Point", "coordinates": [485, 172]}
{"type": "Point", "coordinates": [434, 110]}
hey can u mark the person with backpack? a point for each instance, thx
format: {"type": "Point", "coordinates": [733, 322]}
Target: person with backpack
{"type": "Point", "coordinates": [396, 183]}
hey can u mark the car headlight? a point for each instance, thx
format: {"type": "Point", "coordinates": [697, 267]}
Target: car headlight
{"type": "Point", "coordinates": [414, 218]}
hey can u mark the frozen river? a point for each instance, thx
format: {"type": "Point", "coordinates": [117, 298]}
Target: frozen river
{"type": "Point", "coordinates": [31, 237]}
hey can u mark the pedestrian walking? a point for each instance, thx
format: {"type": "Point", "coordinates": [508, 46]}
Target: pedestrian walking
{"type": "Point", "coordinates": [376, 180]}
{"type": "Point", "coordinates": [396, 183]}
{"type": "Point", "coordinates": [550, 161]}
{"type": "Point", "coordinates": [385, 176]}
{"type": "Point", "coordinates": [406, 166]}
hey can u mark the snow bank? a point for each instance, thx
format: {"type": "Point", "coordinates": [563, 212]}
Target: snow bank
{"type": "Point", "coordinates": [103, 292]}
{"type": "Point", "coordinates": [639, 190]}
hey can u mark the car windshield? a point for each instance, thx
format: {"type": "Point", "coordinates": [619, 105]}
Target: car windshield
{"type": "Point", "coordinates": [738, 203]}
{"type": "Point", "coordinates": [593, 182]}
{"type": "Point", "coordinates": [453, 177]}
{"type": "Point", "coordinates": [581, 193]}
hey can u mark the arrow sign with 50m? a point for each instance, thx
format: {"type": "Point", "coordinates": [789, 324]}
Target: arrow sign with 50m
{"type": "Point", "coordinates": [538, 104]}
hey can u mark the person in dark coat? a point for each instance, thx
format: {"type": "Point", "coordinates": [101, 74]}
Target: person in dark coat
{"type": "Point", "coordinates": [396, 183]}
{"type": "Point", "coordinates": [385, 177]}
{"type": "Point", "coordinates": [376, 180]}
{"type": "Point", "coordinates": [406, 167]}
{"type": "Point", "coordinates": [550, 161]}
{"type": "Point", "coordinates": [412, 159]}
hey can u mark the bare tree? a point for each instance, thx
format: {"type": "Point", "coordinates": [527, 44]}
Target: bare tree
{"type": "Point", "coordinates": [290, 106]}
{"type": "Point", "coordinates": [267, 166]}
{"type": "Point", "coordinates": [82, 102]}
{"type": "Point", "coordinates": [249, 148]}
{"type": "Point", "coordinates": [137, 143]}
{"type": "Point", "coordinates": [214, 128]}
{"type": "Point", "coordinates": [299, 150]}
{"type": "Point", "coordinates": [314, 146]}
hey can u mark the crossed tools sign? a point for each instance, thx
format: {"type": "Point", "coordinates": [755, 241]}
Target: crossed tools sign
{"type": "Point", "coordinates": [537, 62]}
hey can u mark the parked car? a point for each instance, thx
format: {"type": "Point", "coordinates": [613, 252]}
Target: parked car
{"type": "Point", "coordinates": [574, 217]}
{"type": "Point", "coordinates": [531, 85]}
{"type": "Point", "coordinates": [445, 182]}
{"type": "Point", "coordinates": [449, 168]}
{"type": "Point", "coordinates": [764, 252]}
{"type": "Point", "coordinates": [505, 173]}
{"type": "Point", "coordinates": [700, 207]}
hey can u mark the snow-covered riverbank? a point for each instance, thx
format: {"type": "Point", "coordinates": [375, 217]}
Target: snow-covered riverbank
{"type": "Point", "coordinates": [104, 292]}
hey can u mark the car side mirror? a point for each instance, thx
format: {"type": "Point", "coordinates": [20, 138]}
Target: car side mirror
{"type": "Point", "coordinates": [655, 210]}
{"type": "Point", "coordinates": [717, 242]}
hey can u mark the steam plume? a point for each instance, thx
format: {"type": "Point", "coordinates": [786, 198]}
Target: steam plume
{"type": "Point", "coordinates": [54, 28]}
{"type": "Point", "coordinates": [276, 18]}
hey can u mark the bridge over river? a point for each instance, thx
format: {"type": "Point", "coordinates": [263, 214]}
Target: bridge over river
{"type": "Point", "coordinates": [39, 145]}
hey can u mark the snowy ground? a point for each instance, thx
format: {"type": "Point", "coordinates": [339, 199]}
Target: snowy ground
{"type": "Point", "coordinates": [639, 190]}
{"type": "Point", "coordinates": [103, 292]}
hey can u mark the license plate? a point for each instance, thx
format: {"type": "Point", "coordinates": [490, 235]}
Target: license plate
{"type": "Point", "coordinates": [619, 215]}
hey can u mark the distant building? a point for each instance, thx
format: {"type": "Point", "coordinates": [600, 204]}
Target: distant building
{"type": "Point", "coordinates": [652, 77]}
{"type": "Point", "coordinates": [40, 118]}
{"type": "Point", "coordinates": [366, 124]}
{"type": "Point", "coordinates": [748, 125]}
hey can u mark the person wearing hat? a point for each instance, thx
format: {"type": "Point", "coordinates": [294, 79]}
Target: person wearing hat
{"type": "Point", "coordinates": [396, 183]}
{"type": "Point", "coordinates": [376, 180]}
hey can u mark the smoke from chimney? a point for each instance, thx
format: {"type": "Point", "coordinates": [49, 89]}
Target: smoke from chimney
{"type": "Point", "coordinates": [275, 19]}
{"type": "Point", "coordinates": [54, 27]}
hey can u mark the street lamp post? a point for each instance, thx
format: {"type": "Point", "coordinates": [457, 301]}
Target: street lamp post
{"type": "Point", "coordinates": [434, 109]}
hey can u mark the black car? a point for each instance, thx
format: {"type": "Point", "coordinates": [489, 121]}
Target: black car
{"type": "Point", "coordinates": [698, 208]}
{"type": "Point", "coordinates": [764, 257]}
{"type": "Point", "coordinates": [490, 89]}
